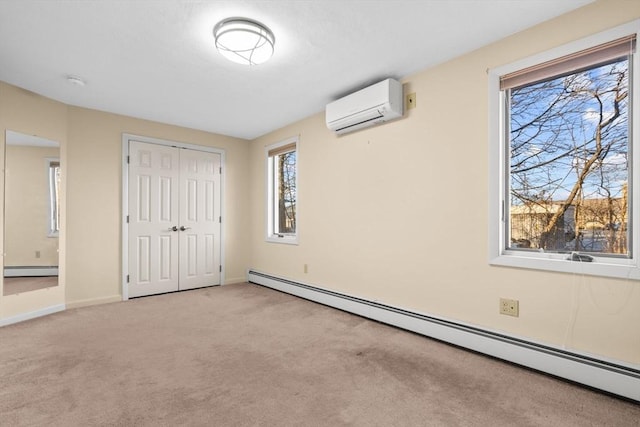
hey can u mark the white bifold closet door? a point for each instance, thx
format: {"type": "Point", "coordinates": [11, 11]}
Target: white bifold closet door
{"type": "Point", "coordinates": [174, 219]}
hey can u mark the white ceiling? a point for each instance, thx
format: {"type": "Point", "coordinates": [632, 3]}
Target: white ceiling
{"type": "Point", "coordinates": [17, 138]}
{"type": "Point", "coordinates": [155, 59]}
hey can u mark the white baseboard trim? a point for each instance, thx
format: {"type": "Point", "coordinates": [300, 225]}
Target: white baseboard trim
{"type": "Point", "coordinates": [32, 271]}
{"type": "Point", "coordinates": [609, 376]}
{"type": "Point", "coordinates": [32, 315]}
{"type": "Point", "coordinates": [93, 301]}
{"type": "Point", "coordinates": [233, 280]}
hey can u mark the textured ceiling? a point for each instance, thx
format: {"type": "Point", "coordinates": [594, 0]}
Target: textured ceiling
{"type": "Point", "coordinates": [155, 59]}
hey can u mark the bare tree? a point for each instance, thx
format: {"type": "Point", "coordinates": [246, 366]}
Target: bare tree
{"type": "Point", "coordinates": [287, 192]}
{"type": "Point", "coordinates": [569, 144]}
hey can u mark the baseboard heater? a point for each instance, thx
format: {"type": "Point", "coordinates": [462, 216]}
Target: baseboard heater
{"type": "Point", "coordinates": [31, 271]}
{"type": "Point", "coordinates": [605, 375]}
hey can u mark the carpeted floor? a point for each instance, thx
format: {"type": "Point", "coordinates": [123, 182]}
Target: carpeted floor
{"type": "Point", "coordinates": [16, 285]}
{"type": "Point", "coordinates": [243, 355]}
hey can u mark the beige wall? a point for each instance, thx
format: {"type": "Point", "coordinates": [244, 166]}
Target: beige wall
{"type": "Point", "coordinates": [398, 213]}
{"type": "Point", "coordinates": [91, 158]}
{"type": "Point", "coordinates": [94, 201]}
{"type": "Point", "coordinates": [26, 207]}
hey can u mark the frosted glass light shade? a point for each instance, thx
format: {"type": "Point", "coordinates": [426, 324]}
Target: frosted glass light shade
{"type": "Point", "coordinates": [244, 41]}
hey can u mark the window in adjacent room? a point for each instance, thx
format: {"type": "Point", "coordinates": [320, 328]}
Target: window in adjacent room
{"type": "Point", "coordinates": [562, 132]}
{"type": "Point", "coordinates": [282, 178]}
{"type": "Point", "coordinates": [54, 196]}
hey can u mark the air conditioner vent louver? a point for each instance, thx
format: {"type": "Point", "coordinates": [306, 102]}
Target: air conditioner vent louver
{"type": "Point", "coordinates": [375, 104]}
{"type": "Point", "coordinates": [362, 124]}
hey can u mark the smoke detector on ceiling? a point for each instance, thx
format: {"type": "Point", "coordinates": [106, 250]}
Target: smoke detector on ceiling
{"type": "Point", "coordinates": [75, 80]}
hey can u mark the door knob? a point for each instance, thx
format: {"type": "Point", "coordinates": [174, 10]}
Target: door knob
{"type": "Point", "coordinates": [174, 228]}
{"type": "Point", "coordinates": [183, 228]}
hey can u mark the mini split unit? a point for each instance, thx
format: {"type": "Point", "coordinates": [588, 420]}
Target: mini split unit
{"type": "Point", "coordinates": [370, 106]}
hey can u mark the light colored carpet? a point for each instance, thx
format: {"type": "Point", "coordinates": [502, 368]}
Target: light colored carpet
{"type": "Point", "coordinates": [16, 285]}
{"type": "Point", "coordinates": [243, 355]}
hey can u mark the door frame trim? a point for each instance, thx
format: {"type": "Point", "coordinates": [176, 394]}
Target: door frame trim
{"type": "Point", "coordinates": [126, 138]}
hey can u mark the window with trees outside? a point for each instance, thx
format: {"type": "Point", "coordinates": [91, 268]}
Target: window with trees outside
{"type": "Point", "coordinates": [282, 174]}
{"type": "Point", "coordinates": [565, 178]}
{"type": "Point", "coordinates": [54, 196]}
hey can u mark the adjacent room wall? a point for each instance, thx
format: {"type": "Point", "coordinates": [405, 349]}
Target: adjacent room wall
{"type": "Point", "coordinates": [27, 207]}
{"type": "Point", "coordinates": [398, 213]}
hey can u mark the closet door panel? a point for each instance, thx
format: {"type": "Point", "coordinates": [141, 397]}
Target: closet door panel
{"type": "Point", "coordinates": [153, 212]}
{"type": "Point", "coordinates": [199, 219]}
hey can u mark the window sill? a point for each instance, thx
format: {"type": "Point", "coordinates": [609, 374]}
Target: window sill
{"type": "Point", "coordinates": [287, 240]}
{"type": "Point", "coordinates": [606, 267]}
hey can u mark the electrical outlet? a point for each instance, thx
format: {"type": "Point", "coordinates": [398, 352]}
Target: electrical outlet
{"type": "Point", "coordinates": [37, 254]}
{"type": "Point", "coordinates": [411, 101]}
{"type": "Point", "coordinates": [510, 307]}
{"type": "Point", "coordinates": [306, 269]}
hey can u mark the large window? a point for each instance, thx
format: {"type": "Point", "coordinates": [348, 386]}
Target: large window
{"type": "Point", "coordinates": [282, 174]}
{"type": "Point", "coordinates": [563, 124]}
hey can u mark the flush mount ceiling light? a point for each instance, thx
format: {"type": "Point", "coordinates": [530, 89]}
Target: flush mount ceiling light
{"type": "Point", "coordinates": [244, 41]}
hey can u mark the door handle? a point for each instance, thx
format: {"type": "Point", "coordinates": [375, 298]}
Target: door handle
{"type": "Point", "coordinates": [174, 228]}
{"type": "Point", "coordinates": [183, 228]}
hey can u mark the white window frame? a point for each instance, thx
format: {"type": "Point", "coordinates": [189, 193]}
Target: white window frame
{"type": "Point", "coordinates": [627, 268]}
{"type": "Point", "coordinates": [271, 236]}
{"type": "Point", "coordinates": [53, 212]}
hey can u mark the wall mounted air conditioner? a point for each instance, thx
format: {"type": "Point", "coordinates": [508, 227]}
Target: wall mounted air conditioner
{"type": "Point", "coordinates": [372, 105]}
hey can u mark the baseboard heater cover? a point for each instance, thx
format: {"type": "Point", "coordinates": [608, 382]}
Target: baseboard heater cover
{"type": "Point", "coordinates": [605, 375]}
{"type": "Point", "coordinates": [31, 271]}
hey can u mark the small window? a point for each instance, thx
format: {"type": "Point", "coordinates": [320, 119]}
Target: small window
{"type": "Point", "coordinates": [54, 196]}
{"type": "Point", "coordinates": [562, 154]}
{"type": "Point", "coordinates": [282, 178]}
